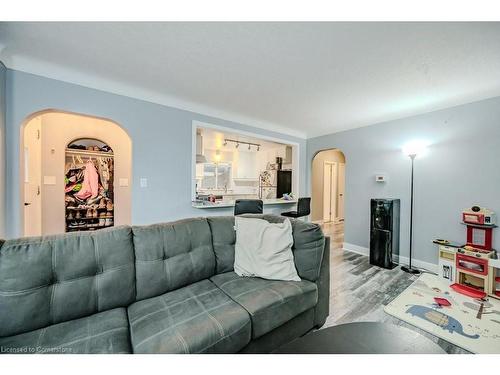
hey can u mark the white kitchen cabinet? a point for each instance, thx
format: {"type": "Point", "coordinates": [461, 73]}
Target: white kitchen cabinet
{"type": "Point", "coordinates": [246, 168]}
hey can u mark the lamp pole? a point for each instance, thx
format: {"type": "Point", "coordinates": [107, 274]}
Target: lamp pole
{"type": "Point", "coordinates": [409, 269]}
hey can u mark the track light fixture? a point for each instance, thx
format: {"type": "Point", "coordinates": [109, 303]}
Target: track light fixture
{"type": "Point", "coordinates": [250, 144]}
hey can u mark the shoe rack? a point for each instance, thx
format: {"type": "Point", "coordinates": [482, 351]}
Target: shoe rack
{"type": "Point", "coordinates": [85, 217]}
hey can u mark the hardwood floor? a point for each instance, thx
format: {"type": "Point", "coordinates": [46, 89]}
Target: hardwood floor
{"type": "Point", "coordinates": [359, 291]}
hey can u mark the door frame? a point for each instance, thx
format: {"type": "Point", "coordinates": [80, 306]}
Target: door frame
{"type": "Point", "coordinates": [339, 219]}
{"type": "Point", "coordinates": [333, 184]}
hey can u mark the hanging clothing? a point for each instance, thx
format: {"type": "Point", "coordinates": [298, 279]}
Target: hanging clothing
{"type": "Point", "coordinates": [90, 186]}
{"type": "Point", "coordinates": [102, 166]}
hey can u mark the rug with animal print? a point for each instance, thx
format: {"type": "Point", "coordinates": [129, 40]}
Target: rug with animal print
{"type": "Point", "coordinates": [431, 305]}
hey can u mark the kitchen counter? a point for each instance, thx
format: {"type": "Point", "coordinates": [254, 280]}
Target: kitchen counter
{"type": "Point", "coordinates": [266, 202]}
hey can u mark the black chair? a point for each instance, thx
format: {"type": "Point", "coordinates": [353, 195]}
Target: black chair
{"type": "Point", "coordinates": [248, 206]}
{"type": "Point", "coordinates": [303, 209]}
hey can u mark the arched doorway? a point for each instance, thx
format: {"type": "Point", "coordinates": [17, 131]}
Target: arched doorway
{"type": "Point", "coordinates": [51, 141]}
{"type": "Point", "coordinates": [328, 193]}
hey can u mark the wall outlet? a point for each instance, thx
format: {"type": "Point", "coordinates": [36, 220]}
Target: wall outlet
{"type": "Point", "coordinates": [144, 182]}
{"type": "Point", "coordinates": [123, 182]}
{"type": "Point", "coordinates": [380, 178]}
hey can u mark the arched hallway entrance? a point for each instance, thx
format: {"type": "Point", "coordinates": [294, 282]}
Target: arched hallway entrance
{"type": "Point", "coordinates": [328, 193]}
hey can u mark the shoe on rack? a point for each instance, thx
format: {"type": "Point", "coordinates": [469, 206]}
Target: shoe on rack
{"type": "Point", "coordinates": [102, 203]}
{"type": "Point", "coordinates": [109, 205]}
{"type": "Point", "coordinates": [93, 201]}
{"type": "Point", "coordinates": [73, 224]}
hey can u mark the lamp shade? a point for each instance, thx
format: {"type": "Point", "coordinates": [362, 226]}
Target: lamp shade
{"type": "Point", "coordinates": [414, 148]}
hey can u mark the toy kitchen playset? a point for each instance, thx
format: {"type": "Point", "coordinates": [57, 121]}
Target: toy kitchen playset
{"type": "Point", "coordinates": [472, 269]}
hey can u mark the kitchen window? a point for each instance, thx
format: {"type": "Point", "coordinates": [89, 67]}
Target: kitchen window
{"type": "Point", "coordinates": [216, 176]}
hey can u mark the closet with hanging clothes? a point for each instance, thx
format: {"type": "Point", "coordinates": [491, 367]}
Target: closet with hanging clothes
{"type": "Point", "coordinates": [89, 196]}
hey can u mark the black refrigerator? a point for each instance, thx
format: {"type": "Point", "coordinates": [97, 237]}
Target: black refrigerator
{"type": "Point", "coordinates": [384, 232]}
{"type": "Point", "coordinates": [283, 183]}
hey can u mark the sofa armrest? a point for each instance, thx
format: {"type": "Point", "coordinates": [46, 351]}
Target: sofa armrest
{"type": "Point", "coordinates": [322, 309]}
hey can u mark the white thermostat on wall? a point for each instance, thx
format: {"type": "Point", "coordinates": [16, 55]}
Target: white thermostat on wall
{"type": "Point", "coordinates": [380, 178]}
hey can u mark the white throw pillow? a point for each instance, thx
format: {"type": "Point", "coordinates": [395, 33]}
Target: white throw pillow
{"type": "Point", "coordinates": [264, 249]}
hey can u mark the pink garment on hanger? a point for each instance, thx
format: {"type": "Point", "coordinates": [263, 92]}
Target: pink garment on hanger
{"type": "Point", "coordinates": [90, 186]}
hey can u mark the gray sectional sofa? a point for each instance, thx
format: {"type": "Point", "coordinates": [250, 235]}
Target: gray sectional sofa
{"type": "Point", "coordinates": [164, 288]}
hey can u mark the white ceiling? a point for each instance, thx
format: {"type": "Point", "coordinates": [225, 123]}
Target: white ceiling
{"type": "Point", "coordinates": [305, 79]}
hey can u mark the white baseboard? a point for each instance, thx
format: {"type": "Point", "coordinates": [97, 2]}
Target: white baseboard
{"type": "Point", "coordinates": [356, 249]}
{"type": "Point", "coordinates": [398, 259]}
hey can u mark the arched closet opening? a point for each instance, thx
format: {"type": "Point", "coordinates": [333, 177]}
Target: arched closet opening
{"type": "Point", "coordinates": [89, 185]}
{"type": "Point", "coordinates": [75, 173]}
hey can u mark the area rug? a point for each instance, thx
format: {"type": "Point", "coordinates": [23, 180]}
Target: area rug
{"type": "Point", "coordinates": [469, 323]}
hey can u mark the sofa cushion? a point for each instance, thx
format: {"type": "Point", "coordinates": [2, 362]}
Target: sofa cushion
{"type": "Point", "coordinates": [308, 244]}
{"type": "Point", "coordinates": [172, 255]}
{"type": "Point", "coordinates": [198, 318]}
{"type": "Point", "coordinates": [264, 249]}
{"type": "Point", "coordinates": [224, 240]}
{"type": "Point", "coordinates": [105, 332]}
{"type": "Point", "coordinates": [270, 303]}
{"type": "Point", "coordinates": [308, 248]}
{"type": "Point", "coordinates": [52, 279]}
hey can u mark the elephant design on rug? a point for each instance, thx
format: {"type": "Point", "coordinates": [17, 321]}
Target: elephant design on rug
{"type": "Point", "coordinates": [438, 318]}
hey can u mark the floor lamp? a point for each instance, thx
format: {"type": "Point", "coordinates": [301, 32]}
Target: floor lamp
{"type": "Point", "coordinates": [412, 150]}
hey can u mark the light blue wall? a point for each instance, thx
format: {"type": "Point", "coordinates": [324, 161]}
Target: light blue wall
{"type": "Point", "coordinates": [461, 168]}
{"type": "Point", "coordinates": [3, 76]}
{"type": "Point", "coordinates": [161, 142]}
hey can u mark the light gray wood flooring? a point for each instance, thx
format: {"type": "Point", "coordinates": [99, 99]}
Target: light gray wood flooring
{"type": "Point", "coordinates": [359, 291]}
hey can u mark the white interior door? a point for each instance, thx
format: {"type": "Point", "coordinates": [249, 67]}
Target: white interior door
{"type": "Point", "coordinates": [327, 178]}
{"type": "Point", "coordinates": [340, 192]}
{"type": "Point", "coordinates": [32, 179]}
{"type": "Point", "coordinates": [329, 191]}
